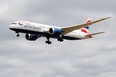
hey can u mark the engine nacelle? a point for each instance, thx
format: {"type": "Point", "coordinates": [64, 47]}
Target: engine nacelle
{"type": "Point", "coordinates": [55, 31]}
{"type": "Point", "coordinates": [31, 37]}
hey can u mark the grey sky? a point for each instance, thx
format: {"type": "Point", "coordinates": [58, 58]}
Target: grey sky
{"type": "Point", "coordinates": [94, 57]}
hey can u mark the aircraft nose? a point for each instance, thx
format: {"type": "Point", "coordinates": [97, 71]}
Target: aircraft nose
{"type": "Point", "coordinates": [11, 27]}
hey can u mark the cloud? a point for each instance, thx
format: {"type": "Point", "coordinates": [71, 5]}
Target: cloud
{"type": "Point", "coordinates": [92, 57]}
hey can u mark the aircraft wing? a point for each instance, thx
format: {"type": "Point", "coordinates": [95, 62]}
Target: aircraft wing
{"type": "Point", "coordinates": [72, 28]}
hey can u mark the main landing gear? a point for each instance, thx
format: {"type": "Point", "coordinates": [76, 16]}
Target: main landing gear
{"type": "Point", "coordinates": [60, 39]}
{"type": "Point", "coordinates": [48, 40]}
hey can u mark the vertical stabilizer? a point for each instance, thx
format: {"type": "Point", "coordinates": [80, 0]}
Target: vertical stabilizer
{"type": "Point", "coordinates": [86, 28]}
{"type": "Point", "coordinates": [88, 21]}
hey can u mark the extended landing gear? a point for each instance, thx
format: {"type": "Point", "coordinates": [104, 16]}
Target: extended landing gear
{"type": "Point", "coordinates": [17, 34]}
{"type": "Point", "coordinates": [48, 40]}
{"type": "Point", "coordinates": [60, 39]}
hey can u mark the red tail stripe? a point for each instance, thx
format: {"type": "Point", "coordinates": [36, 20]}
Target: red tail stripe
{"type": "Point", "coordinates": [89, 21]}
{"type": "Point", "coordinates": [83, 30]}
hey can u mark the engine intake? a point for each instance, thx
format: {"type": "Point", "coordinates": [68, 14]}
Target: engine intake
{"type": "Point", "coordinates": [55, 31]}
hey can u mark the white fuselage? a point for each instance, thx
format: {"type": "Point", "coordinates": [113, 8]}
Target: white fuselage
{"type": "Point", "coordinates": [34, 31]}
{"type": "Point", "coordinates": [41, 29]}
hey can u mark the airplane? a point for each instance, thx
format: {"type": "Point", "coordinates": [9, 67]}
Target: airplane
{"type": "Point", "coordinates": [33, 31]}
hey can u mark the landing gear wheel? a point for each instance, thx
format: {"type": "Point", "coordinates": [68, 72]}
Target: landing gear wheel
{"type": "Point", "coordinates": [18, 35]}
{"type": "Point", "coordinates": [60, 39]}
{"type": "Point", "coordinates": [48, 42]}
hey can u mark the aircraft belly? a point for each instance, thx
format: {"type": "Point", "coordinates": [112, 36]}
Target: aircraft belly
{"type": "Point", "coordinates": [76, 36]}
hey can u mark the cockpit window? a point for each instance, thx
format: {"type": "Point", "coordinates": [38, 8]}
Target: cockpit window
{"type": "Point", "coordinates": [14, 23]}
{"type": "Point", "coordinates": [20, 24]}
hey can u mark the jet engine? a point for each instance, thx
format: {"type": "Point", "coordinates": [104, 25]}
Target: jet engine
{"type": "Point", "coordinates": [31, 37]}
{"type": "Point", "coordinates": [55, 31]}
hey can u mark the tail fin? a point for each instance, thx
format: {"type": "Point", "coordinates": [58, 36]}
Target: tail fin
{"type": "Point", "coordinates": [88, 21]}
{"type": "Point", "coordinates": [86, 28]}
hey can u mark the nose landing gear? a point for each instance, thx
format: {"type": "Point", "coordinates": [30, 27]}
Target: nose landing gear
{"type": "Point", "coordinates": [17, 34]}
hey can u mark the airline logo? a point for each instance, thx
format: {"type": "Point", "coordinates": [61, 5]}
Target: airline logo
{"type": "Point", "coordinates": [84, 30]}
{"type": "Point", "coordinates": [89, 20]}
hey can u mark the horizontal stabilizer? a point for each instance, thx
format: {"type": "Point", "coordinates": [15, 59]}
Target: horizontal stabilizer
{"type": "Point", "coordinates": [91, 35]}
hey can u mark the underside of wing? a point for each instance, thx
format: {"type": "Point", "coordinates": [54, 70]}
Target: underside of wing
{"type": "Point", "coordinates": [72, 28]}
